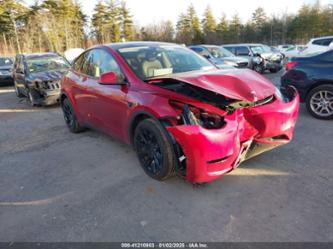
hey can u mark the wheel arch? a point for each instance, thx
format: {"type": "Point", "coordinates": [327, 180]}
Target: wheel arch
{"type": "Point", "coordinates": [136, 118]}
{"type": "Point", "coordinates": [317, 84]}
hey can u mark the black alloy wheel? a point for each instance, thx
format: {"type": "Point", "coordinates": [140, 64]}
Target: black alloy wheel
{"type": "Point", "coordinates": [70, 117]}
{"type": "Point", "coordinates": [154, 150]}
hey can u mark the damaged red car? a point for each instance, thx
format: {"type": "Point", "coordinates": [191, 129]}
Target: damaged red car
{"type": "Point", "coordinates": [182, 114]}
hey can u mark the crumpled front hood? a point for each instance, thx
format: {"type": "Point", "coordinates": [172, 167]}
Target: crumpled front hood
{"type": "Point", "coordinates": [47, 75]}
{"type": "Point", "coordinates": [272, 56]}
{"type": "Point", "coordinates": [239, 84]}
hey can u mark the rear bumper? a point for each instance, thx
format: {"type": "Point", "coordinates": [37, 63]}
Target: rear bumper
{"type": "Point", "coordinates": [247, 133]}
{"type": "Point", "coordinates": [302, 86]}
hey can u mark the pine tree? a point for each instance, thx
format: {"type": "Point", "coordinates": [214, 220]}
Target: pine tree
{"type": "Point", "coordinates": [188, 27]}
{"type": "Point", "coordinates": [127, 27]}
{"type": "Point", "coordinates": [209, 26]}
{"type": "Point", "coordinates": [235, 28]}
{"type": "Point", "coordinates": [222, 30]}
{"type": "Point", "coordinates": [194, 25]}
{"type": "Point", "coordinates": [113, 22]}
{"type": "Point", "coordinates": [99, 22]}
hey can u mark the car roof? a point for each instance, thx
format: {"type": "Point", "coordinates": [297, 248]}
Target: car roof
{"type": "Point", "coordinates": [323, 37]}
{"type": "Point", "coordinates": [38, 55]}
{"type": "Point", "coordinates": [242, 44]}
{"type": "Point", "coordinates": [205, 46]}
{"type": "Point", "coordinates": [120, 45]}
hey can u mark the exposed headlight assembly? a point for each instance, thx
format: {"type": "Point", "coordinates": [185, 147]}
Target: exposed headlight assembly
{"type": "Point", "coordinates": [190, 115]}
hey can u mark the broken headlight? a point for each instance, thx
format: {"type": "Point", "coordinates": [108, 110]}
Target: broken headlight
{"type": "Point", "coordinates": [191, 115]}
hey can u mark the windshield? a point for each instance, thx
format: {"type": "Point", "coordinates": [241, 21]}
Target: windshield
{"type": "Point", "coordinates": [152, 61]}
{"type": "Point", "coordinates": [218, 52]}
{"type": "Point", "coordinates": [257, 49]}
{"type": "Point", "coordinates": [42, 64]}
{"type": "Point", "coordinates": [266, 49]}
{"type": "Point", "coordinates": [5, 61]}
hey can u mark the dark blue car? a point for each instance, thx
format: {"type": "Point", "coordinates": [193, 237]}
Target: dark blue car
{"type": "Point", "coordinates": [313, 78]}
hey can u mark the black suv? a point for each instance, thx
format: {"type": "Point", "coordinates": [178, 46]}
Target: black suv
{"type": "Point", "coordinates": [6, 64]}
{"type": "Point", "coordinates": [313, 78]}
{"type": "Point", "coordinates": [37, 76]}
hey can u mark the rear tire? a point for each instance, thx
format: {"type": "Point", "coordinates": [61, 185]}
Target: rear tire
{"type": "Point", "coordinates": [155, 150]}
{"type": "Point", "coordinates": [319, 102]}
{"type": "Point", "coordinates": [70, 117]}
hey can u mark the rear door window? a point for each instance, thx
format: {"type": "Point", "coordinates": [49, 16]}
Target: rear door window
{"type": "Point", "coordinates": [77, 65]}
{"type": "Point", "coordinates": [242, 51]}
{"type": "Point", "coordinates": [323, 42]}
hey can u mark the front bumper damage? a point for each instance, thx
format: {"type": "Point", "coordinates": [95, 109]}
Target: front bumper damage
{"type": "Point", "coordinates": [46, 92]}
{"type": "Point", "coordinates": [275, 65]}
{"type": "Point", "coordinates": [247, 132]}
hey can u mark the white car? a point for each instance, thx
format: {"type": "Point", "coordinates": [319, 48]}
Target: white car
{"type": "Point", "coordinates": [317, 45]}
{"type": "Point", "coordinates": [285, 47]}
{"type": "Point", "coordinates": [72, 53]}
{"type": "Point", "coordinates": [294, 51]}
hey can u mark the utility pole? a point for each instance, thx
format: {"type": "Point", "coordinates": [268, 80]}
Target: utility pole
{"type": "Point", "coordinates": [15, 32]}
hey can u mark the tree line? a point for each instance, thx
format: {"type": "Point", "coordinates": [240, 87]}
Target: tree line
{"type": "Point", "coordinates": [56, 25]}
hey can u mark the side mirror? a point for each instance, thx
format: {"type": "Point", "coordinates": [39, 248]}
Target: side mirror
{"type": "Point", "coordinates": [111, 78]}
{"type": "Point", "coordinates": [207, 56]}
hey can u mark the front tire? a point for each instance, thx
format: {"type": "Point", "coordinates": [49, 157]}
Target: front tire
{"type": "Point", "coordinates": [274, 70]}
{"type": "Point", "coordinates": [70, 117]}
{"type": "Point", "coordinates": [18, 91]}
{"type": "Point", "coordinates": [259, 69]}
{"type": "Point", "coordinates": [32, 96]}
{"type": "Point", "coordinates": [154, 149]}
{"type": "Point", "coordinates": [319, 102]}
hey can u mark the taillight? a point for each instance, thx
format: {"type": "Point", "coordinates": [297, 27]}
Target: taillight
{"type": "Point", "coordinates": [291, 64]}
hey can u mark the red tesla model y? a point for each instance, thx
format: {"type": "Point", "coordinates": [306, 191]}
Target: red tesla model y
{"type": "Point", "coordinates": [181, 113]}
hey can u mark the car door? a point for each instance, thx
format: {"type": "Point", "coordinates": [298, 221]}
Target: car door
{"type": "Point", "coordinates": [243, 51]}
{"type": "Point", "coordinates": [77, 78]}
{"type": "Point", "coordinates": [19, 75]}
{"type": "Point", "coordinates": [107, 103]}
{"type": "Point", "coordinates": [325, 65]}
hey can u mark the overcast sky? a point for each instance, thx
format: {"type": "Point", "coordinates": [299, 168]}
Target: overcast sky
{"type": "Point", "coordinates": [148, 11]}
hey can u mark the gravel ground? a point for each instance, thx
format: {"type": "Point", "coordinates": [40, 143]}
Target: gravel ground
{"type": "Point", "coordinates": [57, 186]}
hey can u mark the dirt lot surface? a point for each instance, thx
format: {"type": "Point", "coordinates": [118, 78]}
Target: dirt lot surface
{"type": "Point", "coordinates": [57, 186]}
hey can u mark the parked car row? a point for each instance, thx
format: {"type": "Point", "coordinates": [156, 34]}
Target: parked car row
{"type": "Point", "coordinates": [38, 76]}
{"type": "Point", "coordinates": [314, 46]}
{"type": "Point", "coordinates": [258, 57]}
